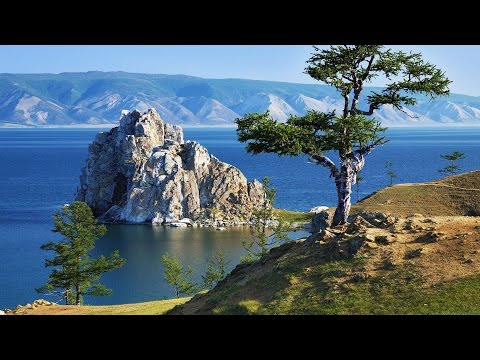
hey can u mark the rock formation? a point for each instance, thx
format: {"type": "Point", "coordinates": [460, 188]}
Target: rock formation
{"type": "Point", "coordinates": [143, 172]}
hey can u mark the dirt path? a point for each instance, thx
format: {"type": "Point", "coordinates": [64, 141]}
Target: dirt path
{"type": "Point", "coordinates": [437, 184]}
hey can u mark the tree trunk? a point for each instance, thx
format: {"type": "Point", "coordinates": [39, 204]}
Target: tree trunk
{"type": "Point", "coordinates": [343, 181]}
{"type": "Point", "coordinates": [77, 295]}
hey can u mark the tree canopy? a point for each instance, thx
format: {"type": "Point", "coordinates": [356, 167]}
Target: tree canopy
{"type": "Point", "coordinates": [178, 277]}
{"type": "Point", "coordinates": [351, 133]}
{"type": "Point", "coordinates": [75, 273]}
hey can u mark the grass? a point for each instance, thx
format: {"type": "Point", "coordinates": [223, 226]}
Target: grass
{"type": "Point", "coordinates": [145, 308]}
{"type": "Point", "coordinates": [454, 195]}
{"type": "Point", "coordinates": [302, 282]}
{"type": "Point", "coordinates": [394, 292]}
{"type": "Point", "coordinates": [293, 216]}
{"type": "Point", "coordinates": [457, 297]}
{"type": "Point", "coordinates": [397, 291]}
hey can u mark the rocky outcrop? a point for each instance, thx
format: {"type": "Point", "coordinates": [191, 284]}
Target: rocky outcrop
{"type": "Point", "coordinates": [321, 220]}
{"type": "Point", "coordinates": [143, 172]}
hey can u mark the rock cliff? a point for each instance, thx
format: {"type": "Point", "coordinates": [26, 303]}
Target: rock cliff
{"type": "Point", "coordinates": [143, 172]}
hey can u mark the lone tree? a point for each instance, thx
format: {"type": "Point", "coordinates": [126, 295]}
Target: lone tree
{"type": "Point", "coordinates": [351, 133]}
{"type": "Point", "coordinates": [75, 273]}
{"type": "Point", "coordinates": [178, 277]}
{"type": "Point", "coordinates": [453, 167]}
{"type": "Point", "coordinates": [266, 233]}
{"type": "Point", "coordinates": [390, 173]}
{"type": "Point", "coordinates": [216, 270]}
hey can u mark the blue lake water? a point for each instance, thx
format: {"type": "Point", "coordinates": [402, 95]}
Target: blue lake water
{"type": "Point", "coordinates": [39, 171]}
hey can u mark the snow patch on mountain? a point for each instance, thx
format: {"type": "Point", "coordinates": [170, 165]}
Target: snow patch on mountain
{"type": "Point", "coordinates": [302, 104]}
{"type": "Point", "coordinates": [207, 110]}
{"type": "Point", "coordinates": [279, 109]}
{"type": "Point", "coordinates": [96, 98]}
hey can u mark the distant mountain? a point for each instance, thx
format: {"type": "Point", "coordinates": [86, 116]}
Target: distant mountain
{"type": "Point", "coordinates": [95, 98]}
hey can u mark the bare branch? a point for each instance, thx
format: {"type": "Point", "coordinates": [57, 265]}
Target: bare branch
{"type": "Point", "coordinates": [370, 111]}
{"type": "Point", "coordinates": [359, 155]}
{"type": "Point", "coordinates": [358, 165]}
{"type": "Point", "coordinates": [325, 161]}
{"type": "Point", "coordinates": [401, 108]}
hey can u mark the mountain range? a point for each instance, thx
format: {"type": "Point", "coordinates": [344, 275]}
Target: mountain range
{"type": "Point", "coordinates": [97, 98]}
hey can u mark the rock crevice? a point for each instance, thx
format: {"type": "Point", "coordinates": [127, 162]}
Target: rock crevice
{"type": "Point", "coordinates": [144, 172]}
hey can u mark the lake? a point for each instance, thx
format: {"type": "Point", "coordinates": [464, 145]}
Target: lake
{"type": "Point", "coordinates": [39, 171]}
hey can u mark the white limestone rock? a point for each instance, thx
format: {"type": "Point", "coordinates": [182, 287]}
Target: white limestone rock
{"type": "Point", "coordinates": [143, 172]}
{"type": "Point", "coordinates": [318, 209]}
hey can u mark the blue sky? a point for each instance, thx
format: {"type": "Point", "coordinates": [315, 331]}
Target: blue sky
{"type": "Point", "coordinates": [265, 62]}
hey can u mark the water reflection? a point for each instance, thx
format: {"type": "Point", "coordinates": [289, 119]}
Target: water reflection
{"type": "Point", "coordinates": [141, 279]}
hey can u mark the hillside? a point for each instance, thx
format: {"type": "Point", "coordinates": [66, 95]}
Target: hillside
{"type": "Point", "coordinates": [420, 266]}
{"type": "Point", "coordinates": [380, 264]}
{"type": "Point", "coordinates": [96, 98]}
{"type": "Point", "coordinates": [454, 195]}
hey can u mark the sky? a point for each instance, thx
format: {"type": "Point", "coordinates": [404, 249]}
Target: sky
{"type": "Point", "coordinates": [260, 62]}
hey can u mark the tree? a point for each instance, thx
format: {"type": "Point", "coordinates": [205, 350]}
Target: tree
{"type": "Point", "coordinates": [350, 134]}
{"type": "Point", "coordinates": [216, 270]}
{"type": "Point", "coordinates": [75, 272]}
{"type": "Point", "coordinates": [358, 179]}
{"type": "Point", "coordinates": [178, 277]}
{"type": "Point", "coordinates": [453, 167]}
{"type": "Point", "coordinates": [390, 173]}
{"type": "Point", "coordinates": [265, 232]}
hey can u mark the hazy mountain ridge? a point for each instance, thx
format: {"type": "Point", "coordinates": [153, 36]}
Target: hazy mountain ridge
{"type": "Point", "coordinates": [95, 98]}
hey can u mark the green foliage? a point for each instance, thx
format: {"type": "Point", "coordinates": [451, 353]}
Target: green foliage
{"type": "Point", "coordinates": [216, 270]}
{"type": "Point", "coordinates": [178, 277]}
{"type": "Point", "coordinates": [311, 134]}
{"type": "Point", "coordinates": [452, 168]}
{"type": "Point", "coordinates": [390, 173]}
{"type": "Point", "coordinates": [351, 134]}
{"type": "Point", "coordinates": [265, 236]}
{"type": "Point", "coordinates": [292, 216]}
{"type": "Point", "coordinates": [457, 155]}
{"type": "Point", "coordinates": [75, 273]}
{"type": "Point", "coordinates": [348, 67]}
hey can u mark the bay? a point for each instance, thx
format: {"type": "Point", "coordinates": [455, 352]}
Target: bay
{"type": "Point", "coordinates": [39, 171]}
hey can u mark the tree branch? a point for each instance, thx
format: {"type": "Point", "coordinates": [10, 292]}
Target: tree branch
{"type": "Point", "coordinates": [358, 164]}
{"type": "Point", "coordinates": [400, 108]}
{"type": "Point", "coordinates": [357, 89]}
{"type": "Point", "coordinates": [359, 155]}
{"type": "Point", "coordinates": [369, 67]}
{"type": "Point", "coordinates": [367, 149]}
{"type": "Point", "coordinates": [345, 107]}
{"type": "Point", "coordinates": [325, 161]}
{"type": "Point", "coordinates": [370, 111]}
